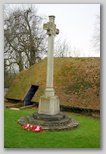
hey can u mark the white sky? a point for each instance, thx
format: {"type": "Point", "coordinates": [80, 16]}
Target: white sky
{"type": "Point", "coordinates": [76, 23]}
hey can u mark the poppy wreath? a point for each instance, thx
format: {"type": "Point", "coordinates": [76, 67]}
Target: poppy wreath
{"type": "Point", "coordinates": [36, 128]}
{"type": "Point", "coordinates": [32, 127]}
{"type": "Point", "coordinates": [27, 127]}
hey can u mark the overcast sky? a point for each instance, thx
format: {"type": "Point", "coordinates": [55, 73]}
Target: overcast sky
{"type": "Point", "coordinates": [76, 23]}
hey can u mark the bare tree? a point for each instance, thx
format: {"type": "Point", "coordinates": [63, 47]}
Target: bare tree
{"type": "Point", "coordinates": [62, 49]}
{"type": "Point", "coordinates": [96, 36]}
{"type": "Point", "coordinates": [24, 38]}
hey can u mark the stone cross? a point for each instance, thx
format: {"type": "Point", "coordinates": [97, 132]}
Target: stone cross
{"type": "Point", "coordinates": [51, 31]}
{"type": "Point", "coordinates": [49, 103]}
{"type": "Point", "coordinates": [49, 116]}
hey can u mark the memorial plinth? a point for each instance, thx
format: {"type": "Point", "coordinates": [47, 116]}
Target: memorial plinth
{"type": "Point", "coordinates": [49, 105]}
{"type": "Point", "coordinates": [49, 116]}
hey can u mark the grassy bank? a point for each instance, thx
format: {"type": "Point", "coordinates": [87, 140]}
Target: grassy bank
{"type": "Point", "coordinates": [76, 82]}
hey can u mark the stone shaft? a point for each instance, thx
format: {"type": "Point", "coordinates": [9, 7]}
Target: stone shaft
{"type": "Point", "coordinates": [51, 31]}
{"type": "Point", "coordinates": [49, 91]}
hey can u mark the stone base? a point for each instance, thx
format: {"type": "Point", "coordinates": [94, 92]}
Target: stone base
{"type": "Point", "coordinates": [49, 92]}
{"type": "Point", "coordinates": [49, 122]}
{"type": "Point", "coordinates": [49, 105]}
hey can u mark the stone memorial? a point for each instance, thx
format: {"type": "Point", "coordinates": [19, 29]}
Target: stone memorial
{"type": "Point", "coordinates": [49, 103]}
{"type": "Point", "coordinates": [49, 115]}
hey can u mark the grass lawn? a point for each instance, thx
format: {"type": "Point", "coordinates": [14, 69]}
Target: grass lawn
{"type": "Point", "coordinates": [87, 135]}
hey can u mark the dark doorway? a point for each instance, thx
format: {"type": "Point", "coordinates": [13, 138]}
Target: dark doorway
{"type": "Point", "coordinates": [30, 94]}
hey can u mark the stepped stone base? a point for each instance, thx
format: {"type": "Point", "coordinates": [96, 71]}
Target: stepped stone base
{"type": "Point", "coordinates": [49, 105]}
{"type": "Point", "coordinates": [49, 122]}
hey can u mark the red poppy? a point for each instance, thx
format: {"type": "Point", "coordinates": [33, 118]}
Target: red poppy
{"type": "Point", "coordinates": [27, 126]}
{"type": "Point", "coordinates": [32, 127]}
{"type": "Point", "coordinates": [36, 128]}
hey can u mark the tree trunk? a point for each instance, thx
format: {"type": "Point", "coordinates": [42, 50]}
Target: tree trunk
{"type": "Point", "coordinates": [20, 62]}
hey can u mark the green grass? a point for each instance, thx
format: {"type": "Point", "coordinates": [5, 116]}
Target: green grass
{"type": "Point", "coordinates": [87, 135]}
